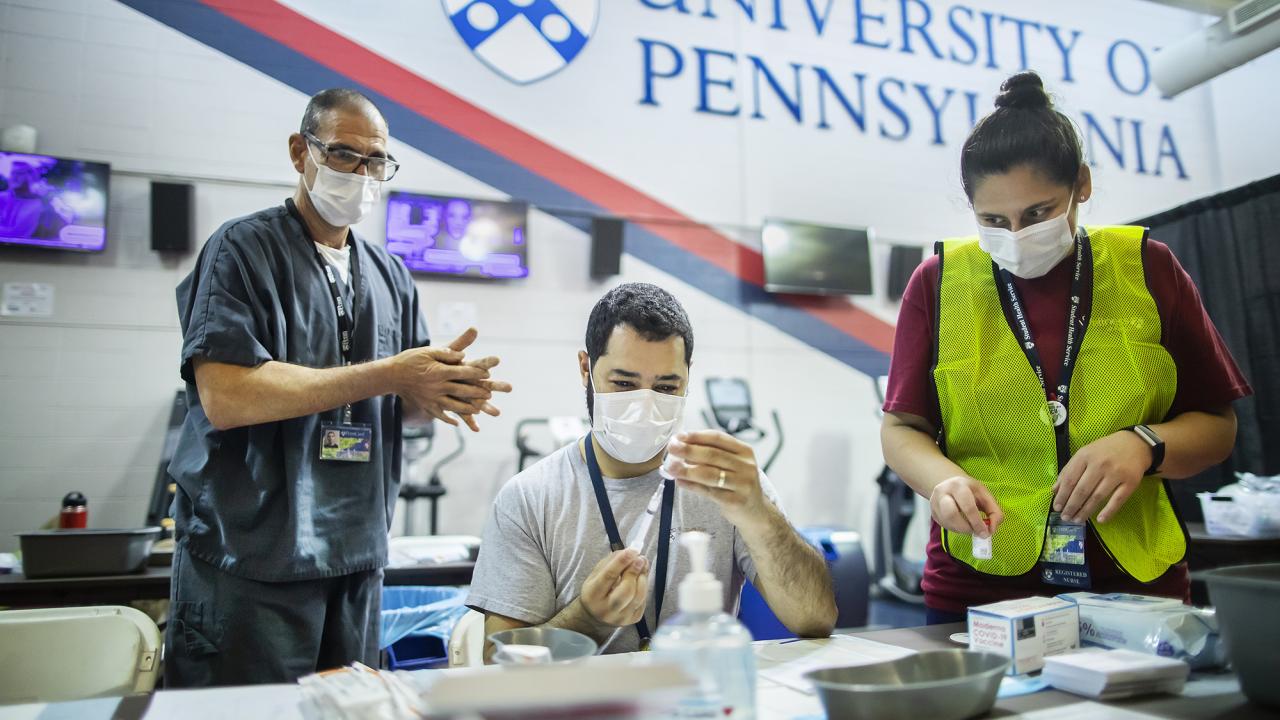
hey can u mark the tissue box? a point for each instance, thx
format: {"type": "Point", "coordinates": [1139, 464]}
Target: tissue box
{"type": "Point", "coordinates": [1026, 630]}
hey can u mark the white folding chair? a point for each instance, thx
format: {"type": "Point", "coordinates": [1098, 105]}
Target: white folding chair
{"type": "Point", "coordinates": [57, 654]}
{"type": "Point", "coordinates": [466, 643]}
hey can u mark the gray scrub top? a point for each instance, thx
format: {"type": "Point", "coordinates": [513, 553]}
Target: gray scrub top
{"type": "Point", "coordinates": [257, 501]}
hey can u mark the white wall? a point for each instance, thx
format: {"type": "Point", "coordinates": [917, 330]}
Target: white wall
{"type": "Point", "coordinates": [86, 393]}
{"type": "Point", "coordinates": [1245, 108]}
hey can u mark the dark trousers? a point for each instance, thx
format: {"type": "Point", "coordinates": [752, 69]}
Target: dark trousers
{"type": "Point", "coordinates": [228, 630]}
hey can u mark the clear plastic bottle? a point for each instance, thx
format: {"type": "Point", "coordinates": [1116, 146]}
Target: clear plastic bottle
{"type": "Point", "coordinates": [711, 645]}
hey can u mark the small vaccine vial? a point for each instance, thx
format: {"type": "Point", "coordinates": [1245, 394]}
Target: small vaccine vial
{"type": "Point", "coordinates": [982, 546]}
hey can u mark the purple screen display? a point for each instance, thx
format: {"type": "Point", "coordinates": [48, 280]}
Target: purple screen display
{"type": "Point", "coordinates": [52, 202]}
{"type": "Point", "coordinates": [458, 236]}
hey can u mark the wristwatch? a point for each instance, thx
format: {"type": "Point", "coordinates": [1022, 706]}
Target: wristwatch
{"type": "Point", "coordinates": [1153, 440]}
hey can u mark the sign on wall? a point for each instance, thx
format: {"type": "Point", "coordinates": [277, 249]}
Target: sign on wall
{"type": "Point", "coordinates": [696, 119]}
{"type": "Point", "coordinates": [826, 110]}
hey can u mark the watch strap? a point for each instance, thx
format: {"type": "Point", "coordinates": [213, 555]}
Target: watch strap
{"type": "Point", "coordinates": [1153, 441]}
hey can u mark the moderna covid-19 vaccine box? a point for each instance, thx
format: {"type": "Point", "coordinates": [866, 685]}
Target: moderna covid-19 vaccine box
{"type": "Point", "coordinates": [1027, 630]}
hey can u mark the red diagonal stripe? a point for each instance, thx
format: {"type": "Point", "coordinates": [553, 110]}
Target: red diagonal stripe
{"type": "Point", "coordinates": [347, 57]}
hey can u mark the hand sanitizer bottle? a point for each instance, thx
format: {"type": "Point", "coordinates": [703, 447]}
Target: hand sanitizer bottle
{"type": "Point", "coordinates": [711, 645]}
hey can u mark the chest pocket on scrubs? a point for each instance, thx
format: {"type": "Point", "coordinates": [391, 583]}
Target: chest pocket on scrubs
{"type": "Point", "coordinates": [389, 342]}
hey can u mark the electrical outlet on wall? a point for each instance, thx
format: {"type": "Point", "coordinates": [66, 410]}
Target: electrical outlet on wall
{"type": "Point", "coordinates": [27, 299]}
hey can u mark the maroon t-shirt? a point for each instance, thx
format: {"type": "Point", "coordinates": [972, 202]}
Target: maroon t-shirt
{"type": "Point", "coordinates": [1187, 333]}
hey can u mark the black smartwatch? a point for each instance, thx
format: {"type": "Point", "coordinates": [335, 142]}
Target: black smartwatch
{"type": "Point", "coordinates": [1153, 440]}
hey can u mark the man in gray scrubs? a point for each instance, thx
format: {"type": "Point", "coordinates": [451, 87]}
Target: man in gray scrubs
{"type": "Point", "coordinates": [577, 540]}
{"type": "Point", "coordinates": [304, 351]}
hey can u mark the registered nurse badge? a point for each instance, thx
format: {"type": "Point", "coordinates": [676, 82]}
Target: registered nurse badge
{"type": "Point", "coordinates": [524, 40]}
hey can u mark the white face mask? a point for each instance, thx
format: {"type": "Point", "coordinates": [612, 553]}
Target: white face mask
{"type": "Point", "coordinates": [1032, 251]}
{"type": "Point", "coordinates": [635, 425]}
{"type": "Point", "coordinates": [342, 199]}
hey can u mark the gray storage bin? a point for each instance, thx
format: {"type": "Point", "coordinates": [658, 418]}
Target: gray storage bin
{"type": "Point", "coordinates": [71, 553]}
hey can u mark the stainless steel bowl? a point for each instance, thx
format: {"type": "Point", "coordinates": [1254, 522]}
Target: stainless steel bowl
{"type": "Point", "coordinates": [936, 684]}
{"type": "Point", "coordinates": [565, 645]}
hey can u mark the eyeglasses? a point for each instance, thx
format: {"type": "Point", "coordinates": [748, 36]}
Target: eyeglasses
{"type": "Point", "coordinates": [349, 161]}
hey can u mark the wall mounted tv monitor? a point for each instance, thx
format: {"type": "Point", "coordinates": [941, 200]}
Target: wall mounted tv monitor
{"type": "Point", "coordinates": [813, 259]}
{"type": "Point", "coordinates": [53, 202]}
{"type": "Point", "coordinates": [442, 235]}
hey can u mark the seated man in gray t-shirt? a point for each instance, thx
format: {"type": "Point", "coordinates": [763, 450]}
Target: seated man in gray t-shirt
{"type": "Point", "coordinates": [545, 558]}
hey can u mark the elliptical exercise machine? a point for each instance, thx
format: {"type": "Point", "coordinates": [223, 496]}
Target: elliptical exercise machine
{"type": "Point", "coordinates": [418, 443]}
{"type": "Point", "coordinates": [538, 437]}
{"type": "Point", "coordinates": [731, 410]}
{"type": "Point", "coordinates": [892, 572]}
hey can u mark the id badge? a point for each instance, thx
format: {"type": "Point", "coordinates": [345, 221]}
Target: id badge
{"type": "Point", "coordinates": [1063, 560]}
{"type": "Point", "coordinates": [348, 442]}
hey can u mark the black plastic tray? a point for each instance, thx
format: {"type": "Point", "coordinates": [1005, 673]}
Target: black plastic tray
{"type": "Point", "coordinates": [1245, 598]}
{"type": "Point", "coordinates": [76, 553]}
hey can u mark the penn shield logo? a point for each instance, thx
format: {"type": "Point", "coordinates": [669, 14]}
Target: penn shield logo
{"type": "Point", "coordinates": [524, 40]}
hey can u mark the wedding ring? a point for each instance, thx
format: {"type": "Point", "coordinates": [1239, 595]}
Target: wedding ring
{"type": "Point", "coordinates": [720, 483]}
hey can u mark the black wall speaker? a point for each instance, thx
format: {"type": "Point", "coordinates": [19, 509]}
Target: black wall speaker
{"type": "Point", "coordinates": [606, 246]}
{"type": "Point", "coordinates": [172, 216]}
{"type": "Point", "coordinates": [903, 260]}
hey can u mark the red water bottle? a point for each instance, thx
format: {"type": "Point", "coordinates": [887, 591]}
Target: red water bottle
{"type": "Point", "coordinates": [75, 512]}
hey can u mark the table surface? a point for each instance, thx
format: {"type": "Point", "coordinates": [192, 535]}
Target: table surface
{"type": "Point", "coordinates": [153, 584]}
{"type": "Point", "coordinates": [1213, 695]}
{"type": "Point", "coordinates": [1207, 695]}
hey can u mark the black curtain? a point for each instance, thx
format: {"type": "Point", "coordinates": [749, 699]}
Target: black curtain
{"type": "Point", "coordinates": [1230, 245]}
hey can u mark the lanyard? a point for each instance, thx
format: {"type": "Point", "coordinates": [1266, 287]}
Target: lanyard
{"type": "Point", "coordinates": [615, 540]}
{"type": "Point", "coordinates": [346, 316]}
{"type": "Point", "coordinates": [1055, 410]}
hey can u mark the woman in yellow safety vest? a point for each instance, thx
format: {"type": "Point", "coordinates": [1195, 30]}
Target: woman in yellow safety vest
{"type": "Point", "coordinates": [1047, 377]}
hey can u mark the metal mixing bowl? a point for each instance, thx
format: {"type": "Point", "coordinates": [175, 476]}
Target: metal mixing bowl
{"type": "Point", "coordinates": [936, 684]}
{"type": "Point", "coordinates": [565, 645]}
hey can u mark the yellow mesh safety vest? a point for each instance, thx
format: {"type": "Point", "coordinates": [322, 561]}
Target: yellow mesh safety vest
{"type": "Point", "coordinates": [995, 424]}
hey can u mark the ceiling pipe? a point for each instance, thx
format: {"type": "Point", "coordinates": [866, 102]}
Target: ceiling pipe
{"type": "Point", "coordinates": [1209, 53]}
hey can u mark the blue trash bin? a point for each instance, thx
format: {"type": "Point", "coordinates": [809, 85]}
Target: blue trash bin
{"type": "Point", "coordinates": [417, 623]}
{"type": "Point", "coordinates": [842, 549]}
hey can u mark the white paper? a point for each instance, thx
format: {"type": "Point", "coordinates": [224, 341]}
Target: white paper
{"type": "Point", "coordinates": [25, 299]}
{"type": "Point", "coordinates": [1118, 663]}
{"type": "Point", "coordinates": [786, 663]}
{"type": "Point", "coordinates": [779, 701]}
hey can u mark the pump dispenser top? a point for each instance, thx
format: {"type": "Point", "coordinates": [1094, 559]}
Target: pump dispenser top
{"type": "Point", "coordinates": [700, 591]}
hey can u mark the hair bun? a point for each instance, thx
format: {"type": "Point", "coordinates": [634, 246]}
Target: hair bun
{"type": "Point", "coordinates": [1024, 91]}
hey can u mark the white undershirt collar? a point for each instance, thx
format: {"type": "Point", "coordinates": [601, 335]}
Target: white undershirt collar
{"type": "Point", "coordinates": [339, 259]}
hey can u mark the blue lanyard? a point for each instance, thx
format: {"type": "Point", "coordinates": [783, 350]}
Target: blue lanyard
{"type": "Point", "coordinates": [1077, 322]}
{"type": "Point", "coordinates": [615, 540]}
{"type": "Point", "coordinates": [346, 315]}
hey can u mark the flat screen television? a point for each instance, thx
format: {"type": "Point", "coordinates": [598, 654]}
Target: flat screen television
{"type": "Point", "coordinates": [53, 202]}
{"type": "Point", "coordinates": [814, 259]}
{"type": "Point", "coordinates": [903, 261]}
{"type": "Point", "coordinates": [441, 235]}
